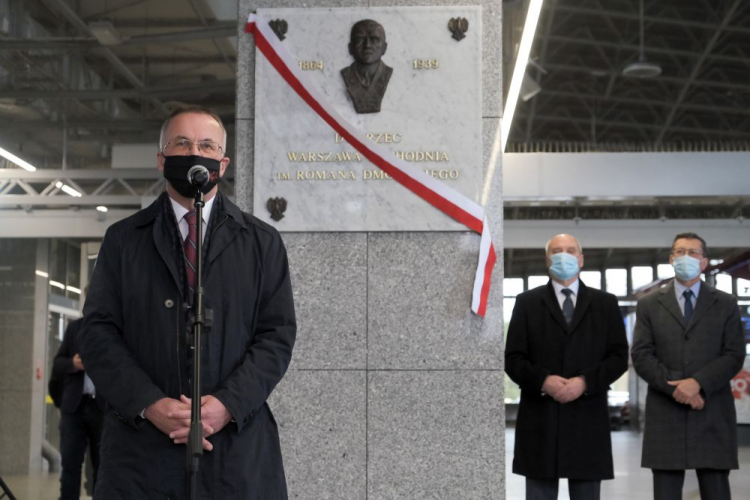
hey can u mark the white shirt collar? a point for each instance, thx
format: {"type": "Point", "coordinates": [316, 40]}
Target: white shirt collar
{"type": "Point", "coordinates": [180, 211]}
{"type": "Point", "coordinates": [572, 287]}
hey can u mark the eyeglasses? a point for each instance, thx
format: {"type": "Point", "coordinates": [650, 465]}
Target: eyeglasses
{"type": "Point", "coordinates": [182, 146]}
{"type": "Point", "coordinates": [693, 252]}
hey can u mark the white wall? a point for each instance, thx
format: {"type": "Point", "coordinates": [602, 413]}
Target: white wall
{"type": "Point", "coordinates": [556, 175]}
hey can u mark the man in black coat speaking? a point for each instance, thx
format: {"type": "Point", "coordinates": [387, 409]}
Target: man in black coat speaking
{"type": "Point", "coordinates": [566, 344]}
{"type": "Point", "coordinates": [137, 317]}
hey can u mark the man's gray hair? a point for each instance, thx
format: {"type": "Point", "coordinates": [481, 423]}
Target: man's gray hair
{"type": "Point", "coordinates": [578, 243]}
{"type": "Point", "coordinates": [192, 109]}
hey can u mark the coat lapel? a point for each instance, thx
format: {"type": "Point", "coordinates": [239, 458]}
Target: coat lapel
{"type": "Point", "coordinates": [164, 239]}
{"type": "Point", "coordinates": [582, 304]}
{"type": "Point", "coordinates": [226, 226]}
{"type": "Point", "coordinates": [706, 299]}
{"type": "Point", "coordinates": [669, 302]}
{"type": "Point", "coordinates": [550, 301]}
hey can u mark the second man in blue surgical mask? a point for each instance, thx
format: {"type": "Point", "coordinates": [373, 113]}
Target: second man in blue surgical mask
{"type": "Point", "coordinates": [566, 345]}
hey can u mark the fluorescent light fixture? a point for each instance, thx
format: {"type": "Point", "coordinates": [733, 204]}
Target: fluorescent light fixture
{"type": "Point", "coordinates": [102, 208]}
{"type": "Point", "coordinates": [67, 189]}
{"type": "Point", "coordinates": [42, 274]}
{"type": "Point", "coordinates": [18, 161]}
{"type": "Point", "coordinates": [522, 59]}
{"type": "Point", "coordinates": [73, 289]}
{"type": "Point", "coordinates": [105, 32]}
{"type": "Point", "coordinates": [57, 284]}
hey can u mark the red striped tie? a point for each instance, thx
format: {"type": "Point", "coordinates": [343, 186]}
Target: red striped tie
{"type": "Point", "coordinates": [191, 250]}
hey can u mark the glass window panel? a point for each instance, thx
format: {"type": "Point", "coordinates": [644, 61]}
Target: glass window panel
{"type": "Point", "coordinates": [508, 305]}
{"type": "Point", "coordinates": [535, 281]}
{"type": "Point", "coordinates": [641, 276]}
{"type": "Point", "coordinates": [512, 286]}
{"type": "Point", "coordinates": [617, 282]}
{"type": "Point", "coordinates": [743, 287]}
{"type": "Point", "coordinates": [592, 279]}
{"type": "Point", "coordinates": [73, 272]}
{"type": "Point", "coordinates": [664, 271]}
{"type": "Point", "coordinates": [724, 282]}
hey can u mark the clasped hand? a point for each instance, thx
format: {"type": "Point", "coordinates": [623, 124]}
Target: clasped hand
{"type": "Point", "coordinates": [172, 417]}
{"type": "Point", "coordinates": [687, 391]}
{"type": "Point", "coordinates": [564, 390]}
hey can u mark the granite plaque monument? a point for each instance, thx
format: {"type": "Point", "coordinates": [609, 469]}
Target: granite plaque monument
{"type": "Point", "coordinates": [421, 100]}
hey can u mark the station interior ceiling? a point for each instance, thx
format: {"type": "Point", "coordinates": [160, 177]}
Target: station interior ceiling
{"type": "Point", "coordinates": [80, 76]}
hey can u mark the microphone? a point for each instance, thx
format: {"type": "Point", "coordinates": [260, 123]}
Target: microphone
{"type": "Point", "coordinates": [198, 176]}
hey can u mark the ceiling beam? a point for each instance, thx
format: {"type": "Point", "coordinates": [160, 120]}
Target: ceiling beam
{"type": "Point", "coordinates": [120, 67]}
{"type": "Point", "coordinates": [636, 48]}
{"type": "Point", "coordinates": [650, 102]}
{"type": "Point", "coordinates": [667, 79]}
{"type": "Point", "coordinates": [161, 22]}
{"type": "Point", "coordinates": [672, 21]}
{"type": "Point", "coordinates": [143, 92]}
{"type": "Point", "coordinates": [97, 124]}
{"type": "Point", "coordinates": [51, 43]}
{"type": "Point", "coordinates": [649, 126]}
{"type": "Point", "coordinates": [89, 43]}
{"type": "Point", "coordinates": [212, 32]}
{"type": "Point", "coordinates": [697, 68]}
{"type": "Point", "coordinates": [216, 42]}
{"type": "Point", "coordinates": [138, 59]}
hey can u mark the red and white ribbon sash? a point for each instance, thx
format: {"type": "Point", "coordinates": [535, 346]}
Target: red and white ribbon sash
{"type": "Point", "coordinates": [444, 198]}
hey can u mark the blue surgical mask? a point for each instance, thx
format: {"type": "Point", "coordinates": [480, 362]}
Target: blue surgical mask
{"type": "Point", "coordinates": [686, 267]}
{"type": "Point", "coordinates": [564, 266]}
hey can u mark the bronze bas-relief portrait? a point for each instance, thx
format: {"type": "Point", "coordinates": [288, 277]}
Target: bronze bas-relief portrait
{"type": "Point", "coordinates": [367, 77]}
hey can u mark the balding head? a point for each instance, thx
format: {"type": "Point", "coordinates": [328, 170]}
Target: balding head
{"type": "Point", "coordinates": [563, 242]}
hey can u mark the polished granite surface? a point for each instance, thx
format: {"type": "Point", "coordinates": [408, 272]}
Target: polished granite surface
{"type": "Point", "coordinates": [631, 482]}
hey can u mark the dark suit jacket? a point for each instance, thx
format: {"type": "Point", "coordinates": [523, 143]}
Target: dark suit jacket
{"type": "Point", "coordinates": [570, 440]}
{"type": "Point", "coordinates": [62, 369]}
{"type": "Point", "coordinates": [710, 349]}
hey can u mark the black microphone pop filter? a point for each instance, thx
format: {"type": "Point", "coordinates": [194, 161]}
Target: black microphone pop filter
{"type": "Point", "coordinates": [198, 176]}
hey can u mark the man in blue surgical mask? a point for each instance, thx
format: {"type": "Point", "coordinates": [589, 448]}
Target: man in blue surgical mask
{"type": "Point", "coordinates": [566, 345]}
{"type": "Point", "coordinates": [688, 345]}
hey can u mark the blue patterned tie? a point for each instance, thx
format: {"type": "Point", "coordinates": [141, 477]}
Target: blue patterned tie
{"type": "Point", "coordinates": [568, 307]}
{"type": "Point", "coordinates": [688, 294]}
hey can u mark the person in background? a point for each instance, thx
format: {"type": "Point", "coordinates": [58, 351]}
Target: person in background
{"type": "Point", "coordinates": [688, 345]}
{"type": "Point", "coordinates": [81, 413]}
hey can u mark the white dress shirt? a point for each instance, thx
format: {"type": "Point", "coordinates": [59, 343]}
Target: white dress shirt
{"type": "Point", "coordinates": [180, 211]}
{"type": "Point", "coordinates": [573, 287]}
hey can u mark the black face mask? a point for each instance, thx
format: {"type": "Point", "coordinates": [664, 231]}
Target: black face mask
{"type": "Point", "coordinates": [176, 172]}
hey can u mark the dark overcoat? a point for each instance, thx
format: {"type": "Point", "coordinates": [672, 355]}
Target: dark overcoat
{"type": "Point", "coordinates": [710, 349]}
{"type": "Point", "coordinates": [134, 349]}
{"type": "Point", "coordinates": [63, 370]}
{"type": "Point", "coordinates": [570, 440]}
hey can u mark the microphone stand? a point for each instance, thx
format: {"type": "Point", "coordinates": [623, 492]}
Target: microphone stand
{"type": "Point", "coordinates": [195, 438]}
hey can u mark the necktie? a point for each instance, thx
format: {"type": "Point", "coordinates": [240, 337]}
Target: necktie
{"type": "Point", "coordinates": [688, 294]}
{"type": "Point", "coordinates": [568, 307]}
{"type": "Point", "coordinates": [190, 248]}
